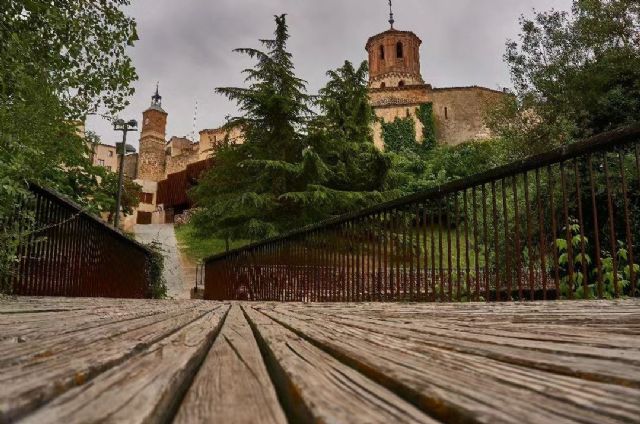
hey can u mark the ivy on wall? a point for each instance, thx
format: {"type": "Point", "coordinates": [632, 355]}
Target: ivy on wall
{"type": "Point", "coordinates": [400, 134]}
{"type": "Point", "coordinates": [425, 115]}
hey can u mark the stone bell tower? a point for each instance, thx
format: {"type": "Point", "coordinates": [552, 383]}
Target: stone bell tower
{"type": "Point", "coordinates": [152, 157]}
{"type": "Point", "coordinates": [394, 58]}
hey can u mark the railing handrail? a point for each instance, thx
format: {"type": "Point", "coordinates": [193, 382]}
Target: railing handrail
{"type": "Point", "coordinates": [560, 154]}
{"type": "Point", "coordinates": [81, 212]}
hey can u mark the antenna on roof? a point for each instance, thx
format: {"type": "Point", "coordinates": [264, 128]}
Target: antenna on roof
{"type": "Point", "coordinates": [391, 20]}
{"type": "Point", "coordinates": [195, 119]}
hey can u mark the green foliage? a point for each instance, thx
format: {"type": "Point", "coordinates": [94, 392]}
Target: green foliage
{"type": "Point", "coordinates": [425, 115]}
{"type": "Point", "coordinates": [155, 270]}
{"type": "Point", "coordinates": [575, 74]}
{"type": "Point", "coordinates": [241, 197]}
{"type": "Point", "coordinates": [609, 269]}
{"type": "Point", "coordinates": [400, 135]}
{"type": "Point", "coordinates": [413, 171]}
{"type": "Point", "coordinates": [197, 247]}
{"type": "Point", "coordinates": [59, 60]}
{"type": "Point", "coordinates": [104, 198]}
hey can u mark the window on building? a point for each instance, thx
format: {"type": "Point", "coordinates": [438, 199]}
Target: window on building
{"type": "Point", "coordinates": [109, 168]}
{"type": "Point", "coordinates": [383, 85]}
{"type": "Point", "coordinates": [146, 198]}
{"type": "Point", "coordinates": [400, 50]}
{"type": "Point", "coordinates": [381, 52]}
{"type": "Point", "coordinates": [446, 113]}
{"type": "Point", "coordinates": [401, 84]}
{"type": "Point", "coordinates": [110, 153]}
{"type": "Point", "coordinates": [101, 162]}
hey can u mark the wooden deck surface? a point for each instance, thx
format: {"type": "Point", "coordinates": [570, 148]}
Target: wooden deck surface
{"type": "Point", "coordinates": [90, 360]}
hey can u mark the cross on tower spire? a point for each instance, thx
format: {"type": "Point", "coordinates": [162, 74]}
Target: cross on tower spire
{"type": "Point", "coordinates": [391, 20]}
{"type": "Point", "coordinates": [156, 99]}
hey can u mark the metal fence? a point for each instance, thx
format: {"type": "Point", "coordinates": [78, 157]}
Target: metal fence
{"type": "Point", "coordinates": [174, 191]}
{"type": "Point", "coordinates": [64, 251]}
{"type": "Point", "coordinates": [564, 224]}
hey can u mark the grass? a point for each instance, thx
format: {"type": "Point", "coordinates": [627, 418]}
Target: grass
{"type": "Point", "coordinates": [198, 248]}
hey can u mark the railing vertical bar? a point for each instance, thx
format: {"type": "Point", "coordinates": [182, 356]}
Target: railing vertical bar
{"type": "Point", "coordinates": [465, 202]}
{"type": "Point", "coordinates": [554, 230]}
{"type": "Point", "coordinates": [583, 254]}
{"type": "Point", "coordinates": [456, 208]}
{"type": "Point", "coordinates": [485, 240]}
{"type": "Point", "coordinates": [508, 248]}
{"type": "Point", "coordinates": [542, 240]}
{"type": "Point", "coordinates": [418, 252]}
{"type": "Point", "coordinates": [447, 201]}
{"type": "Point", "coordinates": [530, 251]}
{"type": "Point", "coordinates": [475, 243]}
{"type": "Point", "coordinates": [627, 222]}
{"type": "Point", "coordinates": [612, 231]}
{"type": "Point", "coordinates": [398, 256]}
{"type": "Point", "coordinates": [568, 231]}
{"type": "Point", "coordinates": [496, 240]}
{"type": "Point", "coordinates": [413, 225]}
{"type": "Point", "coordinates": [518, 251]}
{"type": "Point", "coordinates": [440, 252]}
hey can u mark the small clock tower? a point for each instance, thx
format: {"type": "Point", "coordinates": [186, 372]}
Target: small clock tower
{"type": "Point", "coordinates": [151, 164]}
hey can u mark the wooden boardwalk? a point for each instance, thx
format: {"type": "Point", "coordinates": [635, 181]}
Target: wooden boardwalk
{"type": "Point", "coordinates": [88, 360]}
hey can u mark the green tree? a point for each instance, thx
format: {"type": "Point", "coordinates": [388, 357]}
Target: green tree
{"type": "Point", "coordinates": [243, 196]}
{"type": "Point", "coordinates": [342, 137]}
{"type": "Point", "coordinates": [59, 61]}
{"type": "Point", "coordinates": [575, 74]}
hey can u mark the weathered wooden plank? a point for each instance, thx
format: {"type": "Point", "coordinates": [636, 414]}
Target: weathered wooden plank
{"type": "Point", "coordinates": [462, 386]}
{"type": "Point", "coordinates": [318, 388]}
{"type": "Point", "coordinates": [233, 385]}
{"type": "Point", "coordinates": [146, 388]}
{"type": "Point", "coordinates": [606, 364]}
{"type": "Point", "coordinates": [35, 372]}
{"type": "Point", "coordinates": [41, 326]}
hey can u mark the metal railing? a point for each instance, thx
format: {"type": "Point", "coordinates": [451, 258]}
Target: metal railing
{"type": "Point", "coordinates": [67, 252]}
{"type": "Point", "coordinates": [564, 224]}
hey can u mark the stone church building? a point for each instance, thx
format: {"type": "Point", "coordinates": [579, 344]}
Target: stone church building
{"type": "Point", "coordinates": [396, 89]}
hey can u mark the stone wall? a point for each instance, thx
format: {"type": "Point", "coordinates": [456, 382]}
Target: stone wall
{"type": "Point", "coordinates": [151, 162]}
{"type": "Point", "coordinates": [211, 140]}
{"type": "Point", "coordinates": [459, 112]}
{"type": "Point", "coordinates": [179, 163]}
{"type": "Point", "coordinates": [131, 166]}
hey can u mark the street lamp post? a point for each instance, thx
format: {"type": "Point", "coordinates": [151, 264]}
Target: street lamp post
{"type": "Point", "coordinates": [125, 127]}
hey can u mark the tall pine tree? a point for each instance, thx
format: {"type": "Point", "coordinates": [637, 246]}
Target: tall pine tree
{"type": "Point", "coordinates": [342, 140]}
{"type": "Point", "coordinates": [244, 195]}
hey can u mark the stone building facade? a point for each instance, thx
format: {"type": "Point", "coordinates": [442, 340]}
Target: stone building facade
{"type": "Point", "coordinates": [397, 90]}
{"type": "Point", "coordinates": [104, 155]}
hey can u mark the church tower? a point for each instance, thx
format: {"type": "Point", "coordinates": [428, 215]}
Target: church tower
{"type": "Point", "coordinates": [394, 58]}
{"type": "Point", "coordinates": [151, 163]}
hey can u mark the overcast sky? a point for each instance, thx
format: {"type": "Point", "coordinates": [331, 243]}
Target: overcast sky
{"type": "Point", "coordinates": [187, 46]}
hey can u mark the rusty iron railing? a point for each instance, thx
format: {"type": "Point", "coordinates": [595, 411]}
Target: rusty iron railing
{"type": "Point", "coordinates": [71, 253]}
{"type": "Point", "coordinates": [564, 224]}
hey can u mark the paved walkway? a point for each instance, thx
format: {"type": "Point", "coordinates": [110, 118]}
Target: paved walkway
{"type": "Point", "coordinates": [177, 286]}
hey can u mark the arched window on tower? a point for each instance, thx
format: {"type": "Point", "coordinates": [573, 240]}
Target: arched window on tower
{"type": "Point", "coordinates": [400, 50]}
{"type": "Point", "coordinates": [381, 52]}
{"type": "Point", "coordinates": [383, 85]}
{"type": "Point", "coordinates": [401, 84]}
